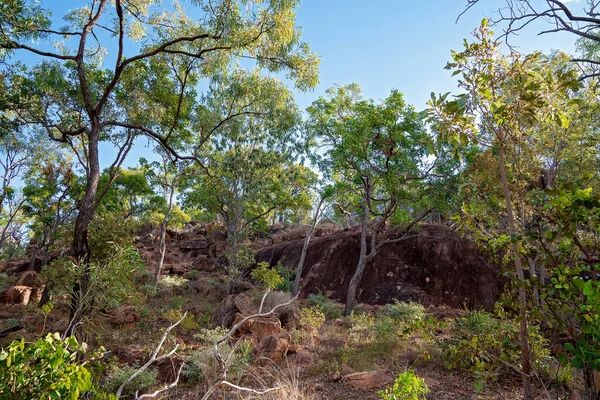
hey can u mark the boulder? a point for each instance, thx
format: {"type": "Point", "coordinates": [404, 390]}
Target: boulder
{"type": "Point", "coordinates": [245, 304]}
{"type": "Point", "coordinates": [217, 250]}
{"type": "Point", "coordinates": [193, 244]}
{"type": "Point", "coordinates": [369, 379]}
{"type": "Point", "coordinates": [18, 295]}
{"type": "Point", "coordinates": [273, 348]}
{"type": "Point", "coordinates": [31, 279]}
{"type": "Point", "coordinates": [125, 315]}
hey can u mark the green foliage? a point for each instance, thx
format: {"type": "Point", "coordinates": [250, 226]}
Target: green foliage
{"type": "Point", "coordinates": [50, 368]}
{"type": "Point", "coordinates": [107, 231]}
{"type": "Point", "coordinates": [312, 317]}
{"type": "Point", "coordinates": [189, 322]}
{"type": "Point", "coordinates": [110, 284]}
{"type": "Point", "coordinates": [407, 386]}
{"type": "Point", "coordinates": [410, 313]}
{"type": "Point", "coordinates": [267, 276]}
{"type": "Point", "coordinates": [326, 305]}
{"type": "Point", "coordinates": [288, 278]}
{"type": "Point", "coordinates": [118, 374]}
{"type": "Point", "coordinates": [489, 347]}
{"type": "Point", "coordinates": [5, 281]}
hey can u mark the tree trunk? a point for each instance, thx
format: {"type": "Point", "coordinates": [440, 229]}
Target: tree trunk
{"type": "Point", "coordinates": [80, 248]}
{"type": "Point", "coordinates": [362, 259]}
{"type": "Point", "coordinates": [523, 329]}
{"type": "Point", "coordinates": [162, 247]}
{"type": "Point", "coordinates": [305, 248]}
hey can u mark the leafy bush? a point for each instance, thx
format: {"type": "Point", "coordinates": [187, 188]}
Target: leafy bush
{"type": "Point", "coordinates": [327, 306]}
{"type": "Point", "coordinates": [5, 281]}
{"type": "Point", "coordinates": [171, 285]}
{"type": "Point", "coordinates": [118, 374]}
{"type": "Point", "coordinates": [410, 313]}
{"type": "Point", "coordinates": [48, 368]}
{"type": "Point", "coordinates": [110, 282]}
{"type": "Point", "coordinates": [288, 278]}
{"type": "Point", "coordinates": [407, 386]}
{"type": "Point", "coordinates": [266, 275]}
{"type": "Point", "coordinates": [488, 346]}
{"type": "Point", "coordinates": [189, 322]}
{"type": "Point", "coordinates": [201, 366]}
{"type": "Point", "coordinates": [107, 231]}
{"type": "Point", "coordinates": [312, 317]}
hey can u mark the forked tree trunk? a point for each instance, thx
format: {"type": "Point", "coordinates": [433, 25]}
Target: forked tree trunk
{"type": "Point", "coordinates": [523, 326]}
{"type": "Point", "coordinates": [305, 247]}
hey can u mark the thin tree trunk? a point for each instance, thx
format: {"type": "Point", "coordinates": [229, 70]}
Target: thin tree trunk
{"type": "Point", "coordinates": [305, 247]}
{"type": "Point", "coordinates": [362, 259]}
{"type": "Point", "coordinates": [162, 247]}
{"type": "Point", "coordinates": [524, 335]}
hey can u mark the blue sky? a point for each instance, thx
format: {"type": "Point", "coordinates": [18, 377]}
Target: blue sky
{"type": "Point", "coordinates": [398, 44]}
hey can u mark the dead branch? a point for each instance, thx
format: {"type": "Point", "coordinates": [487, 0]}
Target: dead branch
{"type": "Point", "coordinates": [155, 358]}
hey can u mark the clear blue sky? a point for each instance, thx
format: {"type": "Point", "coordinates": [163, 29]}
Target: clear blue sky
{"type": "Point", "coordinates": [398, 44]}
{"type": "Point", "coordinates": [383, 45]}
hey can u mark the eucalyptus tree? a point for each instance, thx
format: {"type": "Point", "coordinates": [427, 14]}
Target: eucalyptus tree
{"type": "Point", "coordinates": [166, 177]}
{"type": "Point", "coordinates": [150, 84]}
{"type": "Point", "coordinates": [376, 155]}
{"type": "Point", "coordinates": [508, 103]}
{"type": "Point", "coordinates": [50, 193]}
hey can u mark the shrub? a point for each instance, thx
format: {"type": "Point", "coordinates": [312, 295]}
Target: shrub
{"type": "Point", "coordinates": [194, 274]}
{"type": "Point", "coordinates": [407, 386]}
{"type": "Point", "coordinates": [5, 281]}
{"type": "Point", "coordinates": [118, 374]}
{"type": "Point", "coordinates": [189, 322]}
{"type": "Point", "coordinates": [312, 317]}
{"type": "Point", "coordinates": [266, 275]}
{"type": "Point", "coordinates": [327, 306]}
{"type": "Point", "coordinates": [361, 329]}
{"type": "Point", "coordinates": [410, 313]}
{"type": "Point", "coordinates": [488, 346]}
{"type": "Point", "coordinates": [201, 366]}
{"type": "Point", "coordinates": [171, 285]}
{"type": "Point", "coordinates": [48, 368]}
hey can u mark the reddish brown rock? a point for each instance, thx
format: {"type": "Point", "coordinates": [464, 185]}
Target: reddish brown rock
{"type": "Point", "coordinates": [193, 244]}
{"type": "Point", "coordinates": [31, 279]}
{"type": "Point", "coordinates": [273, 348]}
{"type": "Point", "coordinates": [18, 295]}
{"type": "Point", "coordinates": [125, 315]}
{"type": "Point", "coordinates": [245, 304]}
{"type": "Point", "coordinates": [369, 379]}
{"type": "Point", "coordinates": [437, 266]}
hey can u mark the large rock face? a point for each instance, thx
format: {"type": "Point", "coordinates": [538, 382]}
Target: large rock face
{"type": "Point", "coordinates": [438, 266]}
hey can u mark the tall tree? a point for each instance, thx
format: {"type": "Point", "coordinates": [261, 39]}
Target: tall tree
{"type": "Point", "coordinates": [507, 102]}
{"type": "Point", "coordinates": [375, 152]}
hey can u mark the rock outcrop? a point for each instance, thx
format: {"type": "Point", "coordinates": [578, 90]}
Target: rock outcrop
{"type": "Point", "coordinates": [436, 266]}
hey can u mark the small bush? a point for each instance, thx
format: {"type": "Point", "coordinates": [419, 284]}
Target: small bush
{"type": "Point", "coordinates": [5, 281]}
{"type": "Point", "coordinates": [48, 368]}
{"type": "Point", "coordinates": [488, 346]}
{"type": "Point", "coordinates": [266, 275]}
{"type": "Point", "coordinates": [194, 274]}
{"type": "Point", "coordinates": [407, 386]}
{"type": "Point", "coordinates": [312, 317]}
{"type": "Point", "coordinates": [189, 322]}
{"type": "Point", "coordinates": [171, 285]}
{"type": "Point", "coordinates": [118, 374]}
{"type": "Point", "coordinates": [327, 306]}
{"type": "Point", "coordinates": [410, 313]}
